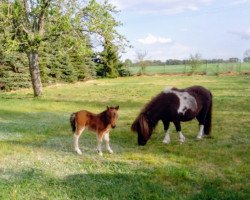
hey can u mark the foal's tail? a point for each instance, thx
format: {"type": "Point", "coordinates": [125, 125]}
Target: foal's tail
{"type": "Point", "coordinates": [208, 119]}
{"type": "Point", "coordinates": [72, 122]}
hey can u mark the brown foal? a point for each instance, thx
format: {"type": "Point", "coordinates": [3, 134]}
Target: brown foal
{"type": "Point", "coordinates": [100, 123]}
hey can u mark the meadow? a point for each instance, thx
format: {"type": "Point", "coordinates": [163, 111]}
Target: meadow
{"type": "Point", "coordinates": [37, 160]}
{"type": "Point", "coordinates": [205, 69]}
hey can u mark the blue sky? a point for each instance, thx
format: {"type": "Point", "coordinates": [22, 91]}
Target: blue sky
{"type": "Point", "coordinates": [174, 29]}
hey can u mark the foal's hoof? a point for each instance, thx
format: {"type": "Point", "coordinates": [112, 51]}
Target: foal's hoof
{"type": "Point", "coordinates": [78, 151]}
{"type": "Point", "coordinates": [99, 152]}
{"type": "Point", "coordinates": [110, 151]}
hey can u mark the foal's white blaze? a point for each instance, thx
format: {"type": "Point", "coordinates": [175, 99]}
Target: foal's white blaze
{"type": "Point", "coordinates": [166, 139]}
{"type": "Point", "coordinates": [201, 132]}
{"type": "Point", "coordinates": [187, 101]}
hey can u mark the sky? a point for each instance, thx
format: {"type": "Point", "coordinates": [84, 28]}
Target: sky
{"type": "Point", "coordinates": [175, 29]}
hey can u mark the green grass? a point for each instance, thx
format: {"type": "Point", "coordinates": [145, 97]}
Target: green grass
{"type": "Point", "coordinates": [37, 160]}
{"type": "Point", "coordinates": [209, 69]}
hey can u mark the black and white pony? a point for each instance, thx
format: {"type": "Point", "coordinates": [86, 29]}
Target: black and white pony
{"type": "Point", "coordinates": [175, 105]}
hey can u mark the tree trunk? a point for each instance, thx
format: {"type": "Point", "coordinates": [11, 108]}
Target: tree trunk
{"type": "Point", "coordinates": [35, 74]}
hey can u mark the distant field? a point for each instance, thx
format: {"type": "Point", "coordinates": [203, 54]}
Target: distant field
{"type": "Point", "coordinates": [209, 69]}
{"type": "Point", "coordinates": [37, 160]}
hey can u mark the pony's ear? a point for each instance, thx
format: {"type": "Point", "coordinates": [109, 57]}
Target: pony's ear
{"type": "Point", "coordinates": [107, 107]}
{"type": "Point", "coordinates": [117, 107]}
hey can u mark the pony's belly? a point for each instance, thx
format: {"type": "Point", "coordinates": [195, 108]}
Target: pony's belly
{"type": "Point", "coordinates": [187, 117]}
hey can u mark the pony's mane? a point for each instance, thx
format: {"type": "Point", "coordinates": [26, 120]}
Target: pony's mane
{"type": "Point", "coordinates": [150, 104]}
{"type": "Point", "coordinates": [144, 112]}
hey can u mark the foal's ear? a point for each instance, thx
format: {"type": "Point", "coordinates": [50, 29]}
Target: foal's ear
{"type": "Point", "coordinates": [117, 107]}
{"type": "Point", "coordinates": [107, 107]}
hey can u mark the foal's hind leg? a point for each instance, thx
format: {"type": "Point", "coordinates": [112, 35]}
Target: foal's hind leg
{"type": "Point", "coordinates": [106, 139]}
{"type": "Point", "coordinates": [178, 129]}
{"type": "Point", "coordinates": [76, 136]}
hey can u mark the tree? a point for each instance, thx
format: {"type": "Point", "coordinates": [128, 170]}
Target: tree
{"type": "Point", "coordinates": [194, 62]}
{"type": "Point", "coordinates": [27, 25]}
{"type": "Point", "coordinates": [128, 63]}
{"type": "Point", "coordinates": [247, 56]}
{"type": "Point", "coordinates": [140, 56]}
{"type": "Point", "coordinates": [109, 61]}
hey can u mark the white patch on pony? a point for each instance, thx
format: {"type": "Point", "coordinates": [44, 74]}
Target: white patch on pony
{"type": "Point", "coordinates": [201, 132]}
{"type": "Point", "coordinates": [187, 101]}
{"type": "Point", "coordinates": [166, 139]}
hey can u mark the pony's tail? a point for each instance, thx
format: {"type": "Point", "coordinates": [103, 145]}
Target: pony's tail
{"type": "Point", "coordinates": [72, 121]}
{"type": "Point", "coordinates": [208, 119]}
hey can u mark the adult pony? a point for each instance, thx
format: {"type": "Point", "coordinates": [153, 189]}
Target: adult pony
{"type": "Point", "coordinates": [100, 123]}
{"type": "Point", "coordinates": [175, 105]}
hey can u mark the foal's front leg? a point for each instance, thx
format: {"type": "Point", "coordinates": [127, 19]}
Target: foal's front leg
{"type": "Point", "coordinates": [106, 139]}
{"type": "Point", "coordinates": [99, 143]}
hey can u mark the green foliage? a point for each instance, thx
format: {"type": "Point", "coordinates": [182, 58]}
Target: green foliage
{"type": "Point", "coordinates": [13, 71]}
{"type": "Point", "coordinates": [109, 61]}
{"type": "Point", "coordinates": [61, 33]}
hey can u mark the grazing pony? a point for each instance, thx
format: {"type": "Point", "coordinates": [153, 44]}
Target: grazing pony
{"type": "Point", "coordinates": [175, 105]}
{"type": "Point", "coordinates": [100, 123]}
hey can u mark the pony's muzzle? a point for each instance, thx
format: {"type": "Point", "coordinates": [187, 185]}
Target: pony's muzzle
{"type": "Point", "coordinates": [142, 142]}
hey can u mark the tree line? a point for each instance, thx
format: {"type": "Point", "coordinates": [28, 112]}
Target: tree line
{"type": "Point", "coordinates": [46, 41]}
{"type": "Point", "coordinates": [184, 61]}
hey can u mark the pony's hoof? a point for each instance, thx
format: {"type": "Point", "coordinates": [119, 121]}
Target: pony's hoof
{"type": "Point", "coordinates": [78, 151]}
{"type": "Point", "coordinates": [182, 139]}
{"type": "Point", "coordinates": [199, 137]}
{"type": "Point", "coordinates": [166, 141]}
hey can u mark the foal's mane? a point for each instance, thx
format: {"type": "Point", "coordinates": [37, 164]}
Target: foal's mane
{"type": "Point", "coordinates": [103, 115]}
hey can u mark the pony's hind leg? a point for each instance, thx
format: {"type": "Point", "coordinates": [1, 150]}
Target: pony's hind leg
{"type": "Point", "coordinates": [201, 120]}
{"type": "Point", "coordinates": [201, 132]}
{"type": "Point", "coordinates": [178, 130]}
{"type": "Point", "coordinates": [106, 139]}
{"type": "Point", "coordinates": [76, 137]}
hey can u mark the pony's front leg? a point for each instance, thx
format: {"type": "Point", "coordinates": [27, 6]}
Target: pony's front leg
{"type": "Point", "coordinates": [106, 139]}
{"type": "Point", "coordinates": [201, 132]}
{"type": "Point", "coordinates": [166, 139]}
{"type": "Point", "coordinates": [99, 143]}
{"type": "Point", "coordinates": [178, 129]}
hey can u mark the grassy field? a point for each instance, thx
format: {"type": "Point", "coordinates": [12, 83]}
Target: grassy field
{"type": "Point", "coordinates": [37, 160]}
{"type": "Point", "coordinates": [208, 69]}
